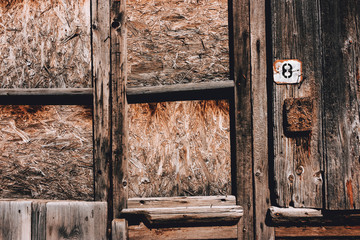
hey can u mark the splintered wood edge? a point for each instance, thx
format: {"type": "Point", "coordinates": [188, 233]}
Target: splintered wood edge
{"type": "Point", "coordinates": [222, 215]}
{"type": "Point", "coordinates": [309, 216]}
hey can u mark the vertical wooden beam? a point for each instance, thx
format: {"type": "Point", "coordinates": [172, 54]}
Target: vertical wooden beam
{"type": "Point", "coordinates": [101, 70]}
{"type": "Point", "coordinates": [243, 115]}
{"type": "Point", "coordinates": [260, 119]}
{"type": "Point", "coordinates": [341, 53]}
{"type": "Point", "coordinates": [119, 105]}
{"type": "Point", "coordinates": [298, 157]}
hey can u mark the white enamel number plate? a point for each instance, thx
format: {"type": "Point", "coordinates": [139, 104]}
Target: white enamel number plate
{"type": "Point", "coordinates": [288, 71]}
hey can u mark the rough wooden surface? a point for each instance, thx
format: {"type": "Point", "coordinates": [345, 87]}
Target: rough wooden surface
{"type": "Point", "coordinates": [38, 220]}
{"type": "Point", "coordinates": [179, 149]}
{"type": "Point", "coordinates": [46, 96]}
{"type": "Point", "coordinates": [341, 51]}
{"type": "Point", "coordinates": [177, 41]}
{"type": "Point", "coordinates": [44, 44]}
{"type": "Point", "coordinates": [46, 152]}
{"type": "Point", "coordinates": [181, 201]}
{"type": "Point", "coordinates": [260, 134]}
{"type": "Point", "coordinates": [76, 220]}
{"type": "Point", "coordinates": [15, 220]}
{"type": "Point", "coordinates": [314, 217]}
{"type": "Point", "coordinates": [119, 121]}
{"type": "Point", "coordinates": [181, 92]}
{"type": "Point", "coordinates": [185, 216]}
{"type": "Point", "coordinates": [240, 38]}
{"type": "Point", "coordinates": [323, 232]}
{"type": "Point", "coordinates": [119, 229]}
{"type": "Point", "coordinates": [141, 232]}
{"type": "Point", "coordinates": [297, 159]}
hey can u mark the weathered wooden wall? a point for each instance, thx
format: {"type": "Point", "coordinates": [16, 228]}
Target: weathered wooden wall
{"type": "Point", "coordinates": [45, 43]}
{"type": "Point", "coordinates": [177, 41]}
{"type": "Point", "coordinates": [318, 168]}
{"type": "Point", "coordinates": [179, 148]}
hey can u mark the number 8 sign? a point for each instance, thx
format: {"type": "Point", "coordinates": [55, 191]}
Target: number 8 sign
{"type": "Point", "coordinates": [288, 71]}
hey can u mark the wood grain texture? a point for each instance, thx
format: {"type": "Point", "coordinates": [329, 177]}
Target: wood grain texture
{"type": "Point", "coordinates": [327, 232]}
{"type": "Point", "coordinates": [46, 96]}
{"type": "Point", "coordinates": [297, 158]}
{"type": "Point", "coordinates": [15, 220]}
{"type": "Point", "coordinates": [181, 201]}
{"type": "Point", "coordinates": [312, 217]}
{"type": "Point", "coordinates": [76, 220]}
{"type": "Point", "coordinates": [101, 96]}
{"type": "Point", "coordinates": [243, 115]}
{"type": "Point", "coordinates": [260, 119]}
{"type": "Point", "coordinates": [119, 106]}
{"type": "Point", "coordinates": [141, 232]}
{"type": "Point", "coordinates": [341, 50]}
{"type": "Point", "coordinates": [186, 216]}
{"type": "Point", "coordinates": [119, 229]}
{"type": "Point", "coordinates": [38, 220]}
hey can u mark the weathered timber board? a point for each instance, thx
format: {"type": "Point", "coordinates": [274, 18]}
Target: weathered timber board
{"type": "Point", "coordinates": [46, 152]}
{"type": "Point", "coordinates": [76, 220]}
{"type": "Point", "coordinates": [341, 92]}
{"type": "Point", "coordinates": [177, 41]}
{"type": "Point", "coordinates": [260, 120]}
{"type": "Point", "coordinates": [179, 149]}
{"type": "Point", "coordinates": [45, 44]}
{"type": "Point", "coordinates": [323, 232]}
{"type": "Point", "coordinates": [119, 107]}
{"type": "Point", "coordinates": [297, 157]}
{"type": "Point", "coordinates": [141, 232]}
{"type": "Point", "coordinates": [119, 229]}
{"type": "Point", "coordinates": [181, 201]}
{"type": "Point", "coordinates": [15, 220]}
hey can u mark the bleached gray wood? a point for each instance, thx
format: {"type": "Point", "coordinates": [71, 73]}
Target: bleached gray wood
{"type": "Point", "coordinates": [76, 220]}
{"type": "Point", "coordinates": [15, 220]}
{"type": "Point", "coordinates": [157, 202]}
{"type": "Point", "coordinates": [38, 220]}
{"type": "Point", "coordinates": [119, 229]}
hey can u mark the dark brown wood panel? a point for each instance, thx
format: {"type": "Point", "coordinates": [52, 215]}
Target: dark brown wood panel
{"type": "Point", "coordinates": [119, 106]}
{"type": "Point", "coordinates": [243, 181]}
{"type": "Point", "coordinates": [260, 118]}
{"type": "Point", "coordinates": [297, 157]}
{"type": "Point", "coordinates": [341, 49]}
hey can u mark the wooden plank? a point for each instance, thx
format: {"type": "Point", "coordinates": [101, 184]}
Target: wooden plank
{"type": "Point", "coordinates": [240, 68]}
{"type": "Point", "coordinates": [15, 220]}
{"type": "Point", "coordinates": [46, 96]}
{"type": "Point", "coordinates": [141, 232]}
{"type": "Point", "coordinates": [119, 229]}
{"type": "Point", "coordinates": [181, 92]}
{"type": "Point", "coordinates": [341, 51]}
{"type": "Point", "coordinates": [158, 202]}
{"type": "Point", "coordinates": [100, 26]}
{"type": "Point", "coordinates": [308, 216]}
{"type": "Point", "coordinates": [76, 220]}
{"type": "Point", "coordinates": [260, 119]}
{"type": "Point", "coordinates": [298, 157]}
{"type": "Point", "coordinates": [318, 232]}
{"type": "Point", "coordinates": [38, 220]}
{"type": "Point", "coordinates": [119, 106]}
{"type": "Point", "coordinates": [186, 216]}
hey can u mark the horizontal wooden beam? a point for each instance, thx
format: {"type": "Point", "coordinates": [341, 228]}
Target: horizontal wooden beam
{"type": "Point", "coordinates": [312, 217]}
{"type": "Point", "coordinates": [84, 96]}
{"type": "Point", "coordinates": [319, 232]}
{"type": "Point", "coordinates": [185, 216]}
{"type": "Point", "coordinates": [46, 96]}
{"type": "Point", "coordinates": [182, 92]}
{"type": "Point", "coordinates": [141, 232]}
